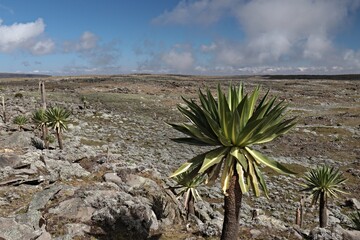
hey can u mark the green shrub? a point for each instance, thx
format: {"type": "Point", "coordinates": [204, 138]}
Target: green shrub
{"type": "Point", "coordinates": [355, 219]}
{"type": "Point", "coordinates": [19, 95]}
{"type": "Point", "coordinates": [20, 120]}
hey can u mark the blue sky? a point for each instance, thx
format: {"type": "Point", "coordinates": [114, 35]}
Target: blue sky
{"type": "Point", "coordinates": [215, 37]}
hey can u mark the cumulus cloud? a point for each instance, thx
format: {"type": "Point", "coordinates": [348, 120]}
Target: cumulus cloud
{"type": "Point", "coordinates": [178, 60]}
{"type": "Point", "coordinates": [89, 47]}
{"type": "Point", "coordinates": [277, 28]}
{"type": "Point", "coordinates": [158, 58]}
{"type": "Point", "coordinates": [279, 34]}
{"type": "Point", "coordinates": [87, 41]}
{"type": "Point", "coordinates": [25, 36]}
{"type": "Point", "coordinates": [42, 47]}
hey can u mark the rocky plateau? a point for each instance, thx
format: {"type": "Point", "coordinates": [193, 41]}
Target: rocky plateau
{"type": "Point", "coordinates": [111, 179]}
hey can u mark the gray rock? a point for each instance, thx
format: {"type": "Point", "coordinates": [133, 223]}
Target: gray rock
{"type": "Point", "coordinates": [42, 198]}
{"type": "Point", "coordinates": [210, 229]}
{"type": "Point", "coordinates": [9, 160]}
{"type": "Point", "coordinates": [351, 235]}
{"type": "Point", "coordinates": [18, 140]}
{"type": "Point", "coordinates": [10, 229]}
{"type": "Point", "coordinates": [324, 234]}
{"type": "Point", "coordinates": [271, 222]}
{"type": "Point", "coordinates": [74, 209]}
{"type": "Point", "coordinates": [255, 233]}
{"type": "Point", "coordinates": [31, 218]}
{"type": "Point", "coordinates": [44, 236]}
{"type": "Point", "coordinates": [77, 229]}
{"type": "Point", "coordinates": [65, 170]}
{"type": "Point", "coordinates": [112, 177]}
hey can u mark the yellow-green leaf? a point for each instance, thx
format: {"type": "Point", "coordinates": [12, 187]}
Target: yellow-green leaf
{"type": "Point", "coordinates": [213, 157]}
{"type": "Point", "coordinates": [228, 172]}
{"type": "Point", "coordinates": [240, 172]}
{"type": "Point", "coordinates": [268, 162]}
{"type": "Point", "coordinates": [254, 180]}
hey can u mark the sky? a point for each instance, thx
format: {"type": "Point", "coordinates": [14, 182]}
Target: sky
{"type": "Point", "coordinates": [207, 37]}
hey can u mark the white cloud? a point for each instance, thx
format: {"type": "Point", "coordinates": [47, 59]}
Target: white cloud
{"type": "Point", "coordinates": [24, 36]}
{"type": "Point", "coordinates": [352, 58]}
{"type": "Point", "coordinates": [88, 46]}
{"type": "Point", "coordinates": [283, 35]}
{"type": "Point", "coordinates": [86, 42]}
{"type": "Point", "coordinates": [42, 47]}
{"type": "Point", "coordinates": [178, 60]}
{"type": "Point", "coordinates": [316, 47]}
{"type": "Point", "coordinates": [291, 28]}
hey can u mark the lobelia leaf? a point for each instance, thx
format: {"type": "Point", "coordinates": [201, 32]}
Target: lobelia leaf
{"type": "Point", "coordinates": [236, 152]}
{"type": "Point", "coordinates": [194, 162]}
{"type": "Point", "coordinates": [228, 172]}
{"type": "Point", "coordinates": [214, 173]}
{"type": "Point", "coordinates": [268, 162]}
{"type": "Point", "coordinates": [213, 157]}
{"type": "Point", "coordinates": [253, 179]}
{"type": "Point", "coordinates": [240, 172]}
{"type": "Point", "coordinates": [261, 180]}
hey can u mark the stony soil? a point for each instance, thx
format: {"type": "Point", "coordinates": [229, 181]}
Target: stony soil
{"type": "Point", "coordinates": [122, 129]}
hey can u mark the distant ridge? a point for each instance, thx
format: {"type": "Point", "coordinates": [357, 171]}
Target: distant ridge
{"type": "Point", "coordinates": [22, 75]}
{"type": "Point", "coordinates": [329, 77]}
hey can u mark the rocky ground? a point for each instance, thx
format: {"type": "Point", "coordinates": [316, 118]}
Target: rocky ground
{"type": "Point", "coordinates": [111, 179]}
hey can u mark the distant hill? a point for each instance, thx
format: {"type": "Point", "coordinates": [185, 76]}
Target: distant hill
{"type": "Point", "coordinates": [22, 75]}
{"type": "Point", "coordinates": [328, 77]}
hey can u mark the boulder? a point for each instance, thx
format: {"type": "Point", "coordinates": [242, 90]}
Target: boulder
{"type": "Point", "coordinates": [9, 160]}
{"type": "Point", "coordinates": [353, 202]}
{"type": "Point", "coordinates": [351, 235]}
{"type": "Point", "coordinates": [124, 216]}
{"type": "Point", "coordinates": [40, 199]}
{"type": "Point", "coordinates": [10, 229]}
{"type": "Point", "coordinates": [324, 234]}
{"type": "Point", "coordinates": [112, 177]}
{"type": "Point", "coordinates": [18, 140]}
{"type": "Point", "coordinates": [75, 209]}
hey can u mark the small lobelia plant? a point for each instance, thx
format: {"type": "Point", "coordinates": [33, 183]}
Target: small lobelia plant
{"type": "Point", "coordinates": [40, 119]}
{"type": "Point", "coordinates": [20, 120]}
{"type": "Point", "coordinates": [58, 118]}
{"type": "Point", "coordinates": [188, 190]}
{"type": "Point", "coordinates": [322, 183]}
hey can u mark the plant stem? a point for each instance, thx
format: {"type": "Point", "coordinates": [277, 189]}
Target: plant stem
{"type": "Point", "coordinates": [323, 210]}
{"type": "Point", "coordinates": [232, 210]}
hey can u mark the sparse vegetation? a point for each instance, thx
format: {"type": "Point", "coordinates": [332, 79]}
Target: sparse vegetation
{"type": "Point", "coordinates": [20, 120]}
{"type": "Point", "coordinates": [355, 219]}
{"type": "Point", "coordinates": [127, 115]}
{"type": "Point", "coordinates": [18, 95]}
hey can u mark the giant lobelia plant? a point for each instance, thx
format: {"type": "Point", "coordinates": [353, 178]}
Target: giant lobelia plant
{"type": "Point", "coordinates": [232, 125]}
